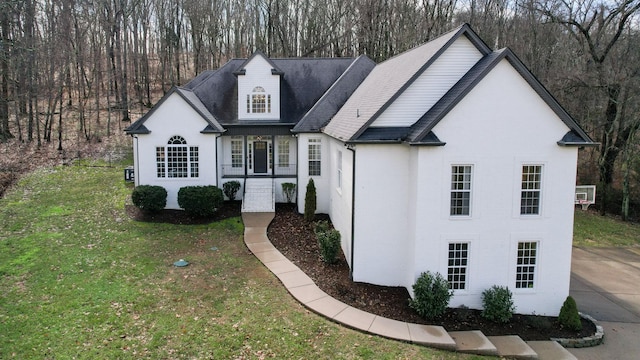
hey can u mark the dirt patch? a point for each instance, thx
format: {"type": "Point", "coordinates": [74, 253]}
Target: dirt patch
{"type": "Point", "coordinates": [295, 239]}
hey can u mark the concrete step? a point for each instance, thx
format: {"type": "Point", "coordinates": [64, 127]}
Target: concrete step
{"type": "Point", "coordinates": [258, 196]}
{"type": "Point", "coordinates": [512, 347]}
{"type": "Point", "coordinates": [550, 350]}
{"type": "Point", "coordinates": [473, 342]}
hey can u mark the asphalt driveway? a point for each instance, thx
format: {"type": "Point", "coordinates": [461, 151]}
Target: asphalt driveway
{"type": "Point", "coordinates": [605, 282]}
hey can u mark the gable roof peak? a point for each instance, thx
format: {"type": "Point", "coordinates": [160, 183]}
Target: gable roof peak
{"type": "Point", "coordinates": [274, 69]}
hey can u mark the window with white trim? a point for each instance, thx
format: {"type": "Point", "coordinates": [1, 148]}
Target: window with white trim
{"type": "Point", "coordinates": [526, 264]}
{"type": "Point", "coordinates": [283, 152]}
{"type": "Point", "coordinates": [315, 158]}
{"type": "Point", "coordinates": [177, 159]}
{"type": "Point", "coordinates": [237, 150]}
{"type": "Point", "coordinates": [460, 190]}
{"type": "Point", "coordinates": [258, 101]}
{"type": "Point", "coordinates": [530, 189]}
{"type": "Point", "coordinates": [458, 259]}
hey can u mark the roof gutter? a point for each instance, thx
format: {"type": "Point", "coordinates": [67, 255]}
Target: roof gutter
{"type": "Point", "coordinates": [580, 144]}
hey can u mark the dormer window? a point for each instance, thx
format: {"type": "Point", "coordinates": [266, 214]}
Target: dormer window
{"type": "Point", "coordinates": [258, 101]}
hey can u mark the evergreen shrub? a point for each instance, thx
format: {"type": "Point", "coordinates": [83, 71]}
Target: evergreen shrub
{"type": "Point", "coordinates": [201, 201]}
{"type": "Point", "coordinates": [149, 198]}
{"type": "Point", "coordinates": [431, 295]}
{"type": "Point", "coordinates": [569, 317]}
{"type": "Point", "coordinates": [328, 241]}
{"type": "Point", "coordinates": [497, 304]}
{"type": "Point", "coordinates": [310, 201]}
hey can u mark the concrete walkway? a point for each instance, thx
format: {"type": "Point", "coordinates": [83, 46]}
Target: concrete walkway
{"type": "Point", "coordinates": [604, 283]}
{"type": "Point", "coordinates": [302, 287]}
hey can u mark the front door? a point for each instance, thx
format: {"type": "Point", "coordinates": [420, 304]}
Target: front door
{"type": "Point", "coordinates": [260, 157]}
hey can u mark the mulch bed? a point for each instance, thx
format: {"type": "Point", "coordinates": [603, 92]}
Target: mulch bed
{"type": "Point", "coordinates": [295, 239]}
{"type": "Point", "coordinates": [179, 217]}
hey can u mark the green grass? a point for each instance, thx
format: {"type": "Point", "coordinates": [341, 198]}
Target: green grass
{"type": "Point", "coordinates": [79, 279]}
{"type": "Point", "coordinates": [591, 229]}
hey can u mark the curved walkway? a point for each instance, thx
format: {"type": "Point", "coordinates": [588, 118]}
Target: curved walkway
{"type": "Point", "coordinates": [302, 287]}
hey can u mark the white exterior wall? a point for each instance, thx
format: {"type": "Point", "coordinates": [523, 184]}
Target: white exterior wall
{"type": "Point", "coordinates": [499, 126]}
{"type": "Point", "coordinates": [322, 182]}
{"type": "Point", "coordinates": [340, 192]}
{"type": "Point", "coordinates": [175, 117]}
{"type": "Point", "coordinates": [258, 73]}
{"type": "Point", "coordinates": [402, 198]}
{"type": "Point", "coordinates": [431, 85]}
{"type": "Point", "coordinates": [382, 242]}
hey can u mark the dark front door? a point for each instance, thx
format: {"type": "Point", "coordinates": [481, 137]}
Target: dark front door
{"type": "Point", "coordinates": [260, 157]}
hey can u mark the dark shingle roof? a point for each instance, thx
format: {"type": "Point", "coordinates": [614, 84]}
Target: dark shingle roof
{"type": "Point", "coordinates": [304, 81]}
{"type": "Point", "coordinates": [329, 104]}
{"type": "Point", "coordinates": [212, 124]}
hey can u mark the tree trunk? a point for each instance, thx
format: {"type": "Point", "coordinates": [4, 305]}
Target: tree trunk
{"type": "Point", "coordinates": [5, 132]}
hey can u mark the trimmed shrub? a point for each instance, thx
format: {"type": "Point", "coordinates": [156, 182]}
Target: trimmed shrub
{"type": "Point", "coordinates": [431, 295]}
{"type": "Point", "coordinates": [230, 189]}
{"type": "Point", "coordinates": [328, 241]}
{"type": "Point", "coordinates": [569, 317]}
{"type": "Point", "coordinates": [321, 226]}
{"type": "Point", "coordinates": [289, 191]}
{"type": "Point", "coordinates": [310, 201]}
{"type": "Point", "coordinates": [202, 201]}
{"type": "Point", "coordinates": [149, 198]}
{"type": "Point", "coordinates": [498, 304]}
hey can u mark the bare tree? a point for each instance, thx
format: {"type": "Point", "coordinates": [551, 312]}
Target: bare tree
{"type": "Point", "coordinates": [599, 29]}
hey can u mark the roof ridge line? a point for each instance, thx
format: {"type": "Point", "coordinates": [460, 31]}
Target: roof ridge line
{"type": "Point", "coordinates": [458, 32]}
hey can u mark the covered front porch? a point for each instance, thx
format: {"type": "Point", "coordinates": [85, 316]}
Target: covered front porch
{"type": "Point", "coordinates": [255, 153]}
{"type": "Point", "coordinates": [258, 156]}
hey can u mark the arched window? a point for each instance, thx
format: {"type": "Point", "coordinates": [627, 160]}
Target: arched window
{"type": "Point", "coordinates": [177, 160]}
{"type": "Point", "coordinates": [258, 101]}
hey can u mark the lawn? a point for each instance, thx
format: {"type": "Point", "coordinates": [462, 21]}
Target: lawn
{"type": "Point", "coordinates": [591, 229]}
{"type": "Point", "coordinates": [80, 279]}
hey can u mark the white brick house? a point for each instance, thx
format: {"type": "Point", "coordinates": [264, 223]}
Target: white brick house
{"type": "Point", "coordinates": [450, 157]}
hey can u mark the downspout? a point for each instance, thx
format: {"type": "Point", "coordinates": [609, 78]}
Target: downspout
{"type": "Point", "coordinates": [136, 163]}
{"type": "Point", "coordinates": [353, 211]}
{"type": "Point", "coordinates": [217, 155]}
{"type": "Point", "coordinates": [297, 171]}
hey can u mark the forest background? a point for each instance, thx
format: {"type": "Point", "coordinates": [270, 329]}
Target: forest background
{"type": "Point", "coordinates": [75, 73]}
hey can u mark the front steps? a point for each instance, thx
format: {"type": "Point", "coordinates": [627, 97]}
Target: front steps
{"type": "Point", "coordinates": [259, 195]}
{"type": "Point", "coordinates": [510, 346]}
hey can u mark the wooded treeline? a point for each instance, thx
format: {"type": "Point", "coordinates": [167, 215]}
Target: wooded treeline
{"type": "Point", "coordinates": [82, 66]}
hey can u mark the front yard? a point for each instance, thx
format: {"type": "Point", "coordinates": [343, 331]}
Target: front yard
{"type": "Point", "coordinates": [80, 279]}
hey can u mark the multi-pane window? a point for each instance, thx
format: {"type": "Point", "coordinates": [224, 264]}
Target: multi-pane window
{"type": "Point", "coordinates": [460, 189]}
{"type": "Point", "coordinates": [177, 160]}
{"type": "Point", "coordinates": [457, 265]}
{"type": "Point", "coordinates": [283, 152]}
{"type": "Point", "coordinates": [161, 168]}
{"type": "Point", "coordinates": [315, 160]}
{"type": "Point", "coordinates": [236, 153]}
{"type": "Point", "coordinates": [530, 190]}
{"type": "Point", "coordinates": [194, 161]}
{"type": "Point", "coordinates": [258, 101]}
{"type": "Point", "coordinates": [526, 264]}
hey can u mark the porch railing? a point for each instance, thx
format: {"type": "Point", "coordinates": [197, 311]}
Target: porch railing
{"type": "Point", "coordinates": [278, 170]}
